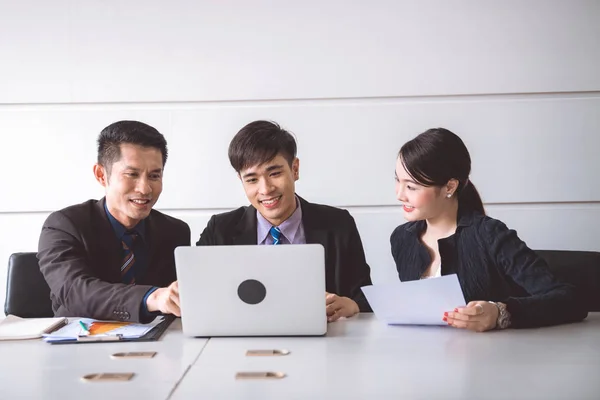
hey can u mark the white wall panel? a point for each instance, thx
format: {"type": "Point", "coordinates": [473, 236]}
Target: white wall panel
{"type": "Point", "coordinates": [51, 154]}
{"type": "Point", "coordinates": [524, 150]}
{"type": "Point", "coordinates": [114, 51]}
{"type": "Point", "coordinates": [517, 80]}
{"type": "Point", "coordinates": [35, 51]}
{"type": "Point", "coordinates": [553, 226]}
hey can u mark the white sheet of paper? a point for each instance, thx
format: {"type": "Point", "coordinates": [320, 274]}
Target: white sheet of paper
{"type": "Point", "coordinates": [421, 302]}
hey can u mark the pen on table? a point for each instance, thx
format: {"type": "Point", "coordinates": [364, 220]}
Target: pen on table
{"type": "Point", "coordinates": [84, 327]}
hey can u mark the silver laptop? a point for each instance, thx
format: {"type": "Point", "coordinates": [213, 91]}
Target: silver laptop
{"type": "Point", "coordinates": [252, 290]}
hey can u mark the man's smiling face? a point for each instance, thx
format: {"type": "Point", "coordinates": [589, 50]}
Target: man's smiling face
{"type": "Point", "coordinates": [270, 187]}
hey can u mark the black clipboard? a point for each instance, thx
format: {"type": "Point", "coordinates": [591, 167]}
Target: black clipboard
{"type": "Point", "coordinates": [151, 336]}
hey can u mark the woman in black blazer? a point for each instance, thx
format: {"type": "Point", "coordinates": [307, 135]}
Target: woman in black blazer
{"type": "Point", "coordinates": [504, 282]}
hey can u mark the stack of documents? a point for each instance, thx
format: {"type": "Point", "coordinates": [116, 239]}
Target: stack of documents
{"type": "Point", "coordinates": [420, 302]}
{"type": "Point", "coordinates": [92, 329]}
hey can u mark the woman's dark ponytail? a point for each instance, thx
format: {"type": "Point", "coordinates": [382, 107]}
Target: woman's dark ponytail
{"type": "Point", "coordinates": [469, 199]}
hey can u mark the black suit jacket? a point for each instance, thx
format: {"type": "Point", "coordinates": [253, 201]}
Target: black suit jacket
{"type": "Point", "coordinates": [491, 263]}
{"type": "Point", "coordinates": [80, 257]}
{"type": "Point", "coordinates": [334, 228]}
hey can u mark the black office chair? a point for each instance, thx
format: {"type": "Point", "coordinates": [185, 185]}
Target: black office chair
{"type": "Point", "coordinates": [579, 268]}
{"type": "Point", "coordinates": [27, 293]}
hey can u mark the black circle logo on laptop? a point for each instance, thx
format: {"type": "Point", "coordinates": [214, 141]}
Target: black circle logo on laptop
{"type": "Point", "coordinates": [252, 291]}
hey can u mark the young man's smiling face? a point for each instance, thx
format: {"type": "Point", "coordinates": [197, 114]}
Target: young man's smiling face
{"type": "Point", "coordinates": [270, 187]}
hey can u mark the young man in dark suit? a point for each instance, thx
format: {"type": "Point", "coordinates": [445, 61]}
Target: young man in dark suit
{"type": "Point", "coordinates": [264, 156]}
{"type": "Point", "coordinates": [113, 259]}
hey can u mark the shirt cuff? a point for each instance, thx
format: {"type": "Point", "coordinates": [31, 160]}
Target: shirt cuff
{"type": "Point", "coordinates": [145, 315]}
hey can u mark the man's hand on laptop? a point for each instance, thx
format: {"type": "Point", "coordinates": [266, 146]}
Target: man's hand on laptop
{"type": "Point", "coordinates": [165, 300]}
{"type": "Point", "coordinates": [339, 307]}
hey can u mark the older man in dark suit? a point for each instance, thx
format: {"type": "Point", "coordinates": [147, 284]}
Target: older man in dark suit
{"type": "Point", "coordinates": [113, 258]}
{"type": "Point", "coordinates": [264, 156]}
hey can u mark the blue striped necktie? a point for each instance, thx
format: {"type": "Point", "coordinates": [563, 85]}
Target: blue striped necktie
{"type": "Point", "coordinates": [275, 234]}
{"type": "Point", "coordinates": [127, 269]}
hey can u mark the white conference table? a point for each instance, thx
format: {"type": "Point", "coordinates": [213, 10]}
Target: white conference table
{"type": "Point", "coordinates": [359, 358]}
{"type": "Point", "coordinates": [362, 358]}
{"type": "Point", "coordinates": [33, 369]}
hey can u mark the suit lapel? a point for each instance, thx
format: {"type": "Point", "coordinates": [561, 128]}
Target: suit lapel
{"type": "Point", "coordinates": [313, 230]}
{"type": "Point", "coordinates": [245, 231]}
{"type": "Point", "coordinates": [151, 230]}
{"type": "Point", "coordinates": [110, 247]}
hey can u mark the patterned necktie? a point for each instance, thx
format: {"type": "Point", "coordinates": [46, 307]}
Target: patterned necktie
{"type": "Point", "coordinates": [275, 234]}
{"type": "Point", "coordinates": [127, 270]}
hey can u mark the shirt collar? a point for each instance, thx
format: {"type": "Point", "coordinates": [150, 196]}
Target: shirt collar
{"type": "Point", "coordinates": [289, 227]}
{"type": "Point", "coordinates": [464, 219]}
{"type": "Point", "coordinates": [120, 230]}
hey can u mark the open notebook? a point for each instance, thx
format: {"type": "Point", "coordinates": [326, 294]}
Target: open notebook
{"type": "Point", "coordinates": [17, 328]}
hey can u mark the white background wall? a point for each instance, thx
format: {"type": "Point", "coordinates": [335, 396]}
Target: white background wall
{"type": "Point", "coordinates": [517, 80]}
